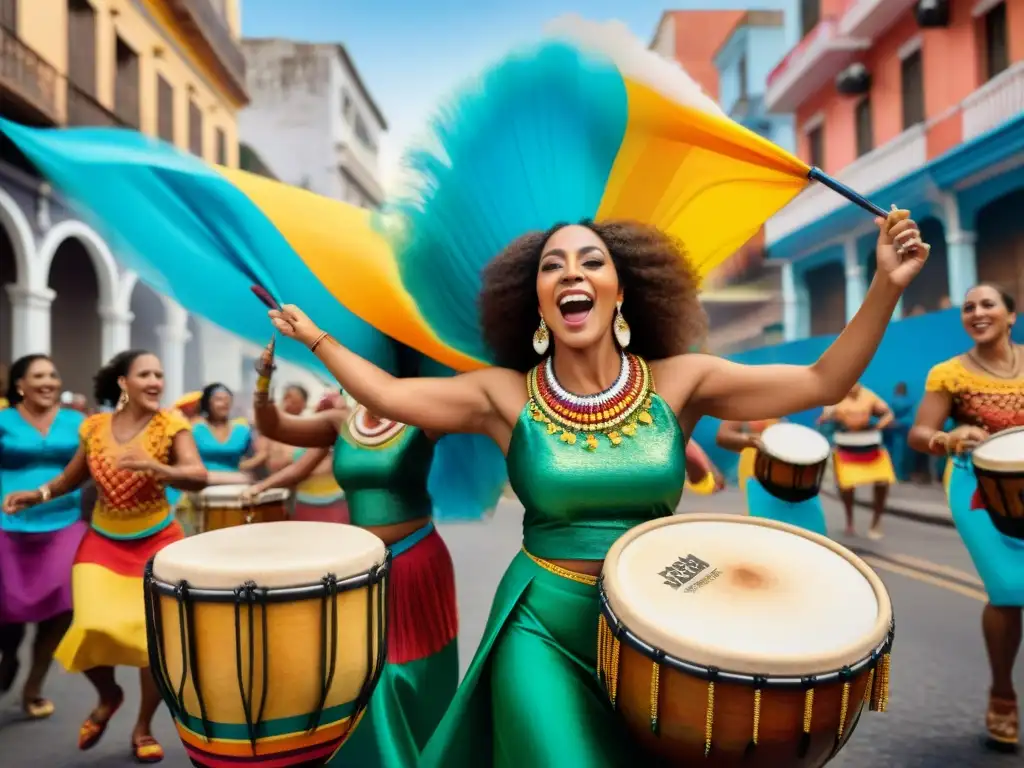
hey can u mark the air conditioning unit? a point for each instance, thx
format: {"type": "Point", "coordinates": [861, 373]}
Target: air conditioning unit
{"type": "Point", "coordinates": [855, 80]}
{"type": "Point", "coordinates": [932, 13]}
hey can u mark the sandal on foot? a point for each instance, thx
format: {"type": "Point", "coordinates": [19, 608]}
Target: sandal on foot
{"type": "Point", "coordinates": [38, 708]}
{"type": "Point", "coordinates": [147, 750]}
{"type": "Point", "coordinates": [1002, 722]}
{"type": "Point", "coordinates": [92, 730]}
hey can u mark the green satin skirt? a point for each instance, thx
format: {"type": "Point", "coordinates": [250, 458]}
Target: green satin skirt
{"type": "Point", "coordinates": [531, 696]}
{"type": "Point", "coordinates": [404, 710]}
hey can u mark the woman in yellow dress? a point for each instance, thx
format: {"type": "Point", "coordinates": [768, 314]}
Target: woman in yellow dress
{"type": "Point", "coordinates": [982, 391]}
{"type": "Point", "coordinates": [132, 454]}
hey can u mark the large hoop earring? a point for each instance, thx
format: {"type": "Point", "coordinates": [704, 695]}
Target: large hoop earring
{"type": "Point", "coordinates": [620, 327]}
{"type": "Point", "coordinates": [541, 338]}
{"type": "Point", "coordinates": [122, 401]}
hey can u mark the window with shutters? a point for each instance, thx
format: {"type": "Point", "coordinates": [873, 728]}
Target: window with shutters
{"type": "Point", "coordinates": [165, 109]}
{"type": "Point", "coordinates": [997, 44]}
{"type": "Point", "coordinates": [126, 83]}
{"type": "Point", "coordinates": [865, 129]}
{"type": "Point", "coordinates": [912, 86]}
{"type": "Point", "coordinates": [195, 129]}
{"type": "Point", "coordinates": [222, 147]}
{"type": "Point", "coordinates": [816, 146]}
{"type": "Point", "coordinates": [9, 15]}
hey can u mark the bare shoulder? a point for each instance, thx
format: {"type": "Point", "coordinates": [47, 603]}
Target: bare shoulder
{"type": "Point", "coordinates": [676, 377]}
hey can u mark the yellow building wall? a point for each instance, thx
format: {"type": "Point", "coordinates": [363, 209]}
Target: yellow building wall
{"type": "Point", "coordinates": [162, 50]}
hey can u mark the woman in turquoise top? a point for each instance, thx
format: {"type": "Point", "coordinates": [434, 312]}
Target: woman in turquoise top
{"type": "Point", "coordinates": [37, 546]}
{"type": "Point", "coordinates": [225, 444]}
{"type": "Point", "coordinates": [592, 449]}
{"type": "Point", "coordinates": [385, 468]}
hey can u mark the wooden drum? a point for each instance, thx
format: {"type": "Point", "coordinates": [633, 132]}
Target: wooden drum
{"type": "Point", "coordinates": [737, 641]}
{"type": "Point", "coordinates": [999, 467]}
{"type": "Point", "coordinates": [266, 641]}
{"type": "Point", "coordinates": [224, 506]}
{"type": "Point", "coordinates": [791, 462]}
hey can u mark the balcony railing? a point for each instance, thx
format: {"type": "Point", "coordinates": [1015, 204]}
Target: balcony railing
{"type": "Point", "coordinates": [810, 65]}
{"type": "Point", "coordinates": [868, 19]}
{"type": "Point", "coordinates": [201, 17]}
{"type": "Point", "coordinates": [997, 101]}
{"type": "Point", "coordinates": [26, 75]}
{"type": "Point", "coordinates": [85, 110]}
{"type": "Point", "coordinates": [878, 168]}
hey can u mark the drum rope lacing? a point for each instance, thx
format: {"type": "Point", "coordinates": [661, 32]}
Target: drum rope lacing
{"type": "Point", "coordinates": [247, 594]}
{"type": "Point", "coordinates": [876, 691]}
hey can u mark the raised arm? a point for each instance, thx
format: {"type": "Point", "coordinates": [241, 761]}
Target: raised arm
{"type": "Point", "coordinates": [738, 392]}
{"type": "Point", "coordinates": [447, 405]}
{"type": "Point", "coordinates": [318, 430]}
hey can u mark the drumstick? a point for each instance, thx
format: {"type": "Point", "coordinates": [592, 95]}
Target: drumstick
{"type": "Point", "coordinates": [263, 295]}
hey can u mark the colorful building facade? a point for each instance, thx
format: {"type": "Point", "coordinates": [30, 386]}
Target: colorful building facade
{"type": "Point", "coordinates": [918, 104]}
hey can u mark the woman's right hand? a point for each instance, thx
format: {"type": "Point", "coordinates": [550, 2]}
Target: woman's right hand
{"type": "Point", "coordinates": [249, 494]}
{"type": "Point", "coordinates": [965, 438]}
{"type": "Point", "coordinates": [20, 501]}
{"type": "Point", "coordinates": [293, 323]}
{"type": "Point", "coordinates": [754, 441]}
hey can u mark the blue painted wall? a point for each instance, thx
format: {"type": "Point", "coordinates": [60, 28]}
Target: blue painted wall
{"type": "Point", "coordinates": [909, 349]}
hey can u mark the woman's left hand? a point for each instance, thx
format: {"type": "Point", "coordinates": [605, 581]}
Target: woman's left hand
{"type": "Point", "coordinates": [138, 460]}
{"type": "Point", "coordinates": [900, 253]}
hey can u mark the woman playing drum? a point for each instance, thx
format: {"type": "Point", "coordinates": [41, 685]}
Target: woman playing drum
{"type": "Point", "coordinates": [983, 392]}
{"type": "Point", "coordinates": [318, 496]}
{"type": "Point", "coordinates": [742, 438]}
{"type": "Point", "coordinates": [859, 458]}
{"type": "Point", "coordinates": [132, 454]}
{"type": "Point", "coordinates": [384, 468]}
{"type": "Point", "coordinates": [530, 696]}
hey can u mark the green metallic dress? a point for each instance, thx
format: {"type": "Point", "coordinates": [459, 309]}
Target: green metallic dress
{"type": "Point", "coordinates": [385, 480]}
{"type": "Point", "coordinates": [531, 697]}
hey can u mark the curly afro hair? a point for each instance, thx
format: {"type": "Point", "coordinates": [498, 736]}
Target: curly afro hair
{"type": "Point", "coordinates": [659, 287]}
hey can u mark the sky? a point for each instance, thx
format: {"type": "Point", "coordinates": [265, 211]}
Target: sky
{"type": "Point", "coordinates": [411, 53]}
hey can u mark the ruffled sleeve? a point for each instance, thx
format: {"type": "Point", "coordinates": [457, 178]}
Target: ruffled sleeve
{"type": "Point", "coordinates": [943, 377]}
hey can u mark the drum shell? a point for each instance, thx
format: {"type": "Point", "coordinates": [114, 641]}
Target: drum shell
{"type": "Point", "coordinates": [1002, 494]}
{"type": "Point", "coordinates": [296, 652]}
{"type": "Point", "coordinates": [787, 481]}
{"type": "Point", "coordinates": [683, 710]}
{"type": "Point", "coordinates": [215, 516]}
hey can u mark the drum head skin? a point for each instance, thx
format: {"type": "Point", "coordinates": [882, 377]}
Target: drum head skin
{"type": "Point", "coordinates": [746, 595]}
{"type": "Point", "coordinates": [864, 439]}
{"type": "Point", "coordinates": [230, 496]}
{"type": "Point", "coordinates": [286, 554]}
{"type": "Point", "coordinates": [1003, 452]}
{"type": "Point", "coordinates": [795, 444]}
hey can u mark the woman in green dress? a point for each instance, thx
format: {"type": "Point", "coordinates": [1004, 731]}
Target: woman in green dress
{"type": "Point", "coordinates": [592, 449]}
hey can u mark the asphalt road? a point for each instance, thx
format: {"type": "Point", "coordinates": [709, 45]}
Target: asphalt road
{"type": "Point", "coordinates": [940, 678]}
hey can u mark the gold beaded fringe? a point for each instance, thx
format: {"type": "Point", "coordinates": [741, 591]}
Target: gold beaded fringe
{"type": "Point", "coordinates": [608, 648]}
{"type": "Point", "coordinates": [655, 689]}
{"type": "Point", "coordinates": [808, 709]}
{"type": "Point", "coordinates": [709, 718]}
{"type": "Point", "coordinates": [844, 707]}
{"type": "Point", "coordinates": [757, 715]}
{"type": "Point", "coordinates": [879, 700]}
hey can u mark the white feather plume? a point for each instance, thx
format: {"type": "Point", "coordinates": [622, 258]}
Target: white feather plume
{"type": "Point", "coordinates": [634, 60]}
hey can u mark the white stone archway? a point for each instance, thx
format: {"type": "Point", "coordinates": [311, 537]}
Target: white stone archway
{"type": "Point", "coordinates": [20, 306]}
{"type": "Point", "coordinates": [107, 272]}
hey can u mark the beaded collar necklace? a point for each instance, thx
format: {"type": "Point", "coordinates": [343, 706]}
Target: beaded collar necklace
{"type": "Point", "coordinates": [615, 412]}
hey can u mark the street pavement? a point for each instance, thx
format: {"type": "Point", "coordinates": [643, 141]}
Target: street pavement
{"type": "Point", "coordinates": [939, 677]}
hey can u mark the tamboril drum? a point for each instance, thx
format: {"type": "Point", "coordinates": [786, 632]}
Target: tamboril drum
{"type": "Point", "coordinates": [224, 506]}
{"type": "Point", "coordinates": [999, 468]}
{"type": "Point", "coordinates": [736, 641]}
{"type": "Point", "coordinates": [791, 462]}
{"type": "Point", "coordinates": [867, 440]}
{"type": "Point", "coordinates": [267, 640]}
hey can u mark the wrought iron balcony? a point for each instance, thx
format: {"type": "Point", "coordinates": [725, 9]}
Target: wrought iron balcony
{"type": "Point", "coordinates": [27, 81]}
{"type": "Point", "coordinates": [202, 20]}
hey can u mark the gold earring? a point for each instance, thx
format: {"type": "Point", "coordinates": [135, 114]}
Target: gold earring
{"type": "Point", "coordinates": [541, 338]}
{"type": "Point", "coordinates": [21, 392]}
{"type": "Point", "coordinates": [122, 401]}
{"type": "Point", "coordinates": [620, 327]}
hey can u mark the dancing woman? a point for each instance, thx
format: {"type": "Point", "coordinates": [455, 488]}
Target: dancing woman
{"type": "Point", "coordinates": [531, 696]}
{"type": "Point", "coordinates": [37, 546]}
{"type": "Point", "coordinates": [224, 443]}
{"type": "Point", "coordinates": [318, 497]}
{"type": "Point", "coordinates": [384, 467]}
{"type": "Point", "coordinates": [132, 454]}
{"type": "Point", "coordinates": [856, 465]}
{"type": "Point", "coordinates": [983, 392]}
{"type": "Point", "coordinates": [745, 438]}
